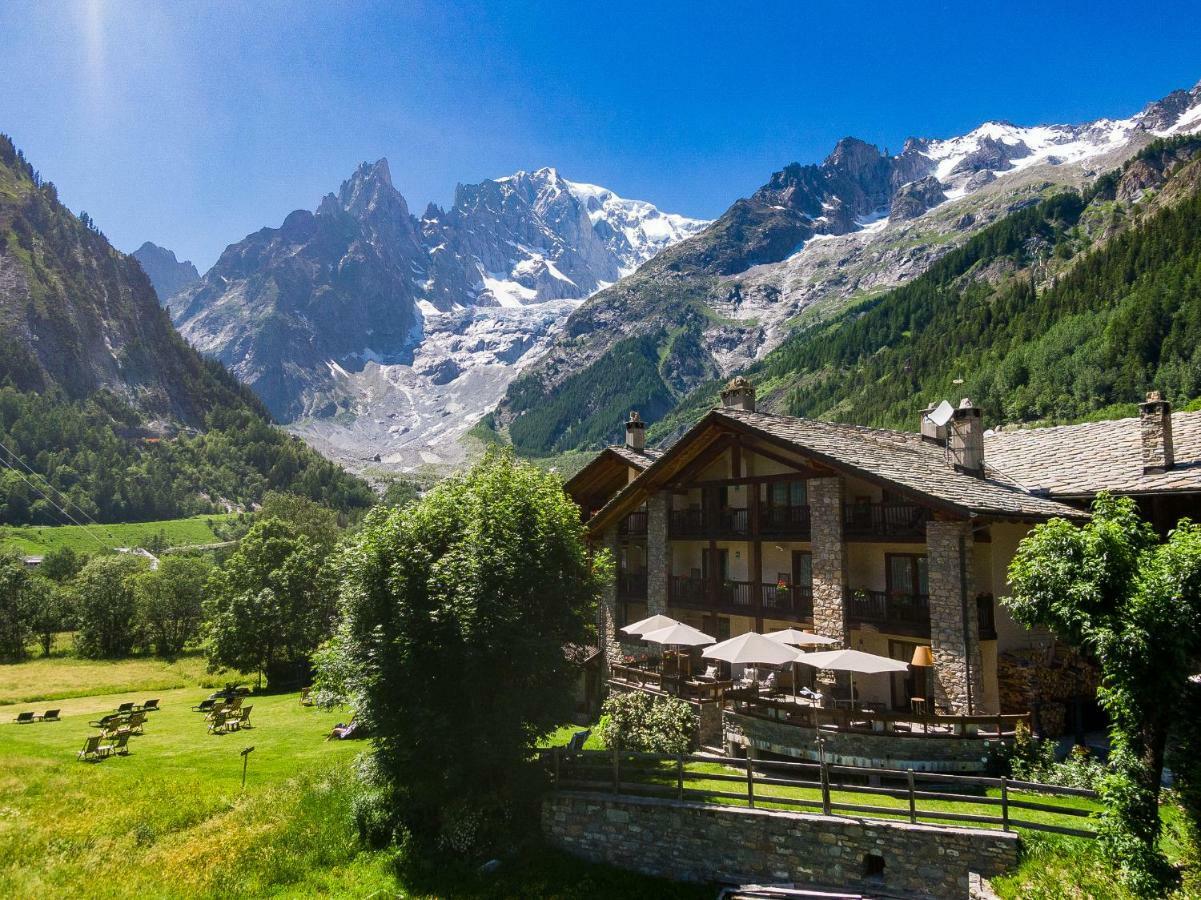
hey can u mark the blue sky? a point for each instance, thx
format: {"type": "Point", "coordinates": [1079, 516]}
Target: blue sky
{"type": "Point", "coordinates": [193, 124]}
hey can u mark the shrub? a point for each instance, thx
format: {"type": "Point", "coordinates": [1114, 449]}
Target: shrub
{"type": "Point", "coordinates": [646, 724]}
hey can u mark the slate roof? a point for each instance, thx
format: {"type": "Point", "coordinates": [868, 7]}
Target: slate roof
{"type": "Point", "coordinates": [638, 458]}
{"type": "Point", "coordinates": [898, 458]}
{"type": "Point", "coordinates": [1081, 460]}
{"type": "Point", "coordinates": [904, 459]}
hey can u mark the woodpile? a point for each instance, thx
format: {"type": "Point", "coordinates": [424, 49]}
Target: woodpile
{"type": "Point", "coordinates": [1045, 680]}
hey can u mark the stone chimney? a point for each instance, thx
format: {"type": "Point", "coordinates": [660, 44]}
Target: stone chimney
{"type": "Point", "coordinates": [739, 394]}
{"type": "Point", "coordinates": [636, 432]}
{"type": "Point", "coordinates": [935, 434]}
{"type": "Point", "coordinates": [1155, 423]}
{"type": "Point", "coordinates": [965, 438]}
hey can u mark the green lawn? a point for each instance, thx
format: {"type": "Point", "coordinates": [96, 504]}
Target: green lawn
{"type": "Point", "coordinates": [38, 539]}
{"type": "Point", "coordinates": [171, 819]}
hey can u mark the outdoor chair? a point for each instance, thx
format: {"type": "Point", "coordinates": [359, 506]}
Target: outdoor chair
{"type": "Point", "coordinates": [233, 705]}
{"type": "Point", "coordinates": [205, 705]}
{"type": "Point", "coordinates": [120, 747]}
{"type": "Point", "coordinates": [244, 716]}
{"type": "Point", "coordinates": [576, 744]}
{"type": "Point", "coordinates": [91, 749]}
{"type": "Point", "coordinates": [150, 706]}
{"type": "Point", "coordinates": [26, 718]}
{"type": "Point", "coordinates": [135, 723]}
{"type": "Point", "coordinates": [125, 707]}
{"type": "Point", "coordinates": [220, 724]}
{"type": "Point", "coordinates": [305, 698]}
{"type": "Point", "coordinates": [51, 715]}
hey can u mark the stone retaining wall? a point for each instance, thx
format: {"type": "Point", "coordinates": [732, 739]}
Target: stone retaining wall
{"type": "Point", "coordinates": [696, 842]}
{"type": "Point", "coordinates": [922, 754]}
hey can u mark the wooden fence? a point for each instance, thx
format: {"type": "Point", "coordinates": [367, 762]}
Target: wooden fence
{"type": "Point", "coordinates": [657, 774]}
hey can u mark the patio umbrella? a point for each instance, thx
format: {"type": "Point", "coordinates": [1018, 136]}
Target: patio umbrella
{"type": "Point", "coordinates": [852, 661]}
{"type": "Point", "coordinates": [679, 635]}
{"type": "Point", "coordinates": [654, 623]}
{"type": "Point", "coordinates": [800, 639]}
{"type": "Point", "coordinates": [751, 649]}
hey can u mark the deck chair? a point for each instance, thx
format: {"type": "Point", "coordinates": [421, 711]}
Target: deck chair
{"type": "Point", "coordinates": [218, 724]}
{"type": "Point", "coordinates": [91, 749]}
{"type": "Point", "coordinates": [26, 718]}
{"type": "Point", "coordinates": [135, 723]}
{"type": "Point", "coordinates": [51, 715]}
{"type": "Point", "coordinates": [125, 707]}
{"type": "Point", "coordinates": [305, 698]}
{"type": "Point", "coordinates": [576, 744]}
{"type": "Point", "coordinates": [119, 747]}
{"type": "Point", "coordinates": [150, 706]}
{"type": "Point", "coordinates": [233, 705]}
{"type": "Point", "coordinates": [244, 716]}
{"type": "Point", "coordinates": [205, 706]}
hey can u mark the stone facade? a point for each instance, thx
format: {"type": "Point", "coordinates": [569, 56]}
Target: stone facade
{"type": "Point", "coordinates": [707, 843]}
{"type": "Point", "coordinates": [607, 636]}
{"type": "Point", "coordinates": [1155, 419]}
{"type": "Point", "coordinates": [889, 751]}
{"type": "Point", "coordinates": [958, 681]}
{"type": "Point", "coordinates": [658, 553]}
{"type": "Point", "coordinates": [829, 559]}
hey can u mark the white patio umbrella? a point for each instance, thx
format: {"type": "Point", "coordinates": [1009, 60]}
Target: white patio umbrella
{"type": "Point", "coordinates": [800, 639]}
{"type": "Point", "coordinates": [752, 649]}
{"type": "Point", "coordinates": [679, 635]}
{"type": "Point", "coordinates": [852, 661]}
{"type": "Point", "coordinates": [653, 623]}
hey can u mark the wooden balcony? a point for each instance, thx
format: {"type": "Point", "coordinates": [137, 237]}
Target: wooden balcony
{"type": "Point", "coordinates": [631, 585]}
{"type": "Point", "coordinates": [633, 525]}
{"type": "Point", "coordinates": [793, 601]}
{"type": "Point", "coordinates": [896, 613]}
{"type": "Point", "coordinates": [790, 522]}
{"type": "Point", "coordinates": [884, 521]}
{"type": "Point", "coordinates": [709, 523]}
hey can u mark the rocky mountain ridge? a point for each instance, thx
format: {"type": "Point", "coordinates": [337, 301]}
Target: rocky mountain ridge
{"type": "Point", "coordinates": [167, 273]}
{"type": "Point", "coordinates": [380, 333]}
{"type": "Point", "coordinates": [810, 240]}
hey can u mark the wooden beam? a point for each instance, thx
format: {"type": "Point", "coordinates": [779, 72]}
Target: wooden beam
{"type": "Point", "coordinates": [799, 475]}
{"type": "Point", "coordinates": [785, 461]}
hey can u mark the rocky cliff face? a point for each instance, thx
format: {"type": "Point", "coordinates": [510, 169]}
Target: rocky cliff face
{"type": "Point", "coordinates": [811, 239]}
{"type": "Point", "coordinates": [79, 317]}
{"type": "Point", "coordinates": [166, 273]}
{"type": "Point", "coordinates": [376, 332]}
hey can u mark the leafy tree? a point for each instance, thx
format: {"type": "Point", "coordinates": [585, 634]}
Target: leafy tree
{"type": "Point", "coordinates": [108, 607]}
{"type": "Point", "coordinates": [61, 564]}
{"type": "Point", "coordinates": [53, 610]}
{"type": "Point", "coordinates": [1135, 604]}
{"type": "Point", "coordinates": [16, 607]}
{"type": "Point", "coordinates": [401, 492]}
{"type": "Point", "coordinates": [647, 724]}
{"type": "Point", "coordinates": [170, 602]}
{"type": "Point", "coordinates": [270, 606]}
{"type": "Point", "coordinates": [455, 613]}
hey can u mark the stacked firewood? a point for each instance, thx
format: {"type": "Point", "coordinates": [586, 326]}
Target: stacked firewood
{"type": "Point", "coordinates": [1045, 680]}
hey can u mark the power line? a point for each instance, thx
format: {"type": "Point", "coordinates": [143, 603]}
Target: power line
{"type": "Point", "coordinates": [50, 500]}
{"type": "Point", "coordinates": [62, 495]}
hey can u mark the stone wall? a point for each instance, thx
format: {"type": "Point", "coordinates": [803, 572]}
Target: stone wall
{"type": "Point", "coordinates": [829, 560]}
{"type": "Point", "coordinates": [607, 636]}
{"type": "Point", "coordinates": [958, 683]}
{"type": "Point", "coordinates": [658, 553]}
{"type": "Point", "coordinates": [702, 843]}
{"type": "Point", "coordinates": [922, 754]}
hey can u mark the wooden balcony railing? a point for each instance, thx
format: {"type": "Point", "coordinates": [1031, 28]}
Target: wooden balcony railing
{"type": "Point", "coordinates": [633, 524]}
{"type": "Point", "coordinates": [794, 600]}
{"type": "Point", "coordinates": [785, 521]}
{"type": "Point", "coordinates": [896, 612]}
{"type": "Point", "coordinates": [884, 520]}
{"type": "Point", "coordinates": [631, 585]}
{"type": "Point", "coordinates": [685, 523]}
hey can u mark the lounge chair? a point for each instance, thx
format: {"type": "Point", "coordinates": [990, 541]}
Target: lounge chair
{"type": "Point", "coordinates": [243, 717]}
{"type": "Point", "coordinates": [92, 749]}
{"type": "Point", "coordinates": [576, 744]}
{"type": "Point", "coordinates": [135, 723]}
{"type": "Point", "coordinates": [233, 705]}
{"type": "Point", "coordinates": [150, 706]}
{"type": "Point", "coordinates": [205, 705]}
{"type": "Point", "coordinates": [219, 723]}
{"type": "Point", "coordinates": [26, 718]}
{"type": "Point", "coordinates": [125, 707]}
{"type": "Point", "coordinates": [51, 715]}
{"type": "Point", "coordinates": [305, 698]}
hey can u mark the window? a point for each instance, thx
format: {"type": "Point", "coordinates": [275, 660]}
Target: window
{"type": "Point", "coordinates": [723, 564]}
{"type": "Point", "coordinates": [802, 569]}
{"type": "Point", "coordinates": [787, 493]}
{"type": "Point", "coordinates": [907, 574]}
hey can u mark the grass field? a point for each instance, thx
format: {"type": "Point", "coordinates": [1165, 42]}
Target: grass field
{"type": "Point", "coordinates": [38, 539]}
{"type": "Point", "coordinates": [171, 819]}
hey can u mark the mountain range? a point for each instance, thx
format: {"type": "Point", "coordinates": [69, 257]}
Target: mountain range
{"type": "Point", "coordinates": [813, 240]}
{"type": "Point", "coordinates": [376, 332]}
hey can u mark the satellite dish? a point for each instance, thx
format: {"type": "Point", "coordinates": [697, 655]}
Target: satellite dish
{"type": "Point", "coordinates": [942, 414]}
